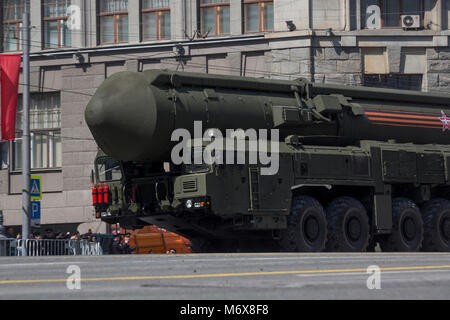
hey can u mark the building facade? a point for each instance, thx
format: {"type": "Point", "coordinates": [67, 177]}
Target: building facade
{"type": "Point", "coordinates": [77, 44]}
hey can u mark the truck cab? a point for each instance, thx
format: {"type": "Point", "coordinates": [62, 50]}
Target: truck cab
{"type": "Point", "coordinates": [136, 194]}
{"type": "Point", "coordinates": [198, 201]}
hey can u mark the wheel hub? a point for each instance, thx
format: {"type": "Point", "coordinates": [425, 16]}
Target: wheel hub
{"type": "Point", "coordinates": [311, 228]}
{"type": "Point", "coordinates": [354, 229]}
{"type": "Point", "coordinates": [409, 229]}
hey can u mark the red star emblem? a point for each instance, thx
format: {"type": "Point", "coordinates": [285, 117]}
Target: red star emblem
{"type": "Point", "coordinates": [445, 121]}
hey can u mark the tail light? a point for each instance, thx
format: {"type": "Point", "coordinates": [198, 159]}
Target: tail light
{"type": "Point", "coordinates": [94, 195]}
{"type": "Point", "coordinates": [100, 193]}
{"type": "Point", "coordinates": [105, 193]}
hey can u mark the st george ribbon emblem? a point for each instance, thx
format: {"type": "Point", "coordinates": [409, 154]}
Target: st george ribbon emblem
{"type": "Point", "coordinates": [445, 121]}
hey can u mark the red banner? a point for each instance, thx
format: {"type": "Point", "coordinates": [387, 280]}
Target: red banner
{"type": "Point", "coordinates": [10, 71]}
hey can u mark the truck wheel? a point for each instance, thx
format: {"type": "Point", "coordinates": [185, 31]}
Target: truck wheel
{"type": "Point", "coordinates": [436, 222]}
{"type": "Point", "coordinates": [407, 228]}
{"type": "Point", "coordinates": [307, 227]}
{"type": "Point", "coordinates": [348, 226]}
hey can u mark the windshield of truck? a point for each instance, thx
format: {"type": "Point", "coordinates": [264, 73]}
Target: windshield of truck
{"type": "Point", "coordinates": [200, 166]}
{"type": "Point", "coordinates": [108, 169]}
{"type": "Point", "coordinates": [194, 168]}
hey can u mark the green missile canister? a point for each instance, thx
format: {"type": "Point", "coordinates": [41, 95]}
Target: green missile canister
{"type": "Point", "coordinates": [132, 115]}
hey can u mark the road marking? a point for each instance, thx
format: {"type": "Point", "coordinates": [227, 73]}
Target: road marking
{"type": "Point", "coordinates": [164, 258]}
{"type": "Point", "coordinates": [222, 275]}
{"type": "Point", "coordinates": [329, 255]}
{"type": "Point", "coordinates": [37, 264]}
{"type": "Point", "coordinates": [361, 273]}
{"type": "Point", "coordinates": [249, 260]}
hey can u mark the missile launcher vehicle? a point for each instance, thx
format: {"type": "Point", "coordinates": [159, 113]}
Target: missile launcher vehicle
{"type": "Point", "coordinates": [350, 167]}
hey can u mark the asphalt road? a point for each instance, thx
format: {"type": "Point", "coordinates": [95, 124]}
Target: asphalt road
{"type": "Point", "coordinates": [270, 276]}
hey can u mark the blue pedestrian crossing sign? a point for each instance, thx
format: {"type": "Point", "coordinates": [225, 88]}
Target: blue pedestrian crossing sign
{"type": "Point", "coordinates": [36, 188]}
{"type": "Point", "coordinates": [35, 213]}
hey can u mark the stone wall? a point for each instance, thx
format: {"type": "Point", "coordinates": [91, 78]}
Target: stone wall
{"type": "Point", "coordinates": [438, 69]}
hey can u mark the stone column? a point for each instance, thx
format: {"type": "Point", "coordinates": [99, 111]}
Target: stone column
{"type": "Point", "coordinates": [177, 19]}
{"type": "Point", "coordinates": [37, 40]}
{"type": "Point", "coordinates": [134, 21]}
{"type": "Point", "coordinates": [192, 17]}
{"type": "Point", "coordinates": [297, 11]}
{"type": "Point", "coordinates": [79, 27]}
{"type": "Point", "coordinates": [433, 14]}
{"type": "Point", "coordinates": [358, 15]}
{"type": "Point", "coordinates": [439, 14]}
{"type": "Point", "coordinates": [347, 14]}
{"type": "Point", "coordinates": [236, 14]}
{"type": "Point", "coordinates": [91, 23]}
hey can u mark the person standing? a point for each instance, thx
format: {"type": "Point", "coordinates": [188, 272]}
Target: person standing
{"type": "Point", "coordinates": [125, 245]}
{"type": "Point", "coordinates": [10, 233]}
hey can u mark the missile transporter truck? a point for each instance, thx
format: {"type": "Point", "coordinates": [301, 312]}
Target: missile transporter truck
{"type": "Point", "coordinates": [356, 166]}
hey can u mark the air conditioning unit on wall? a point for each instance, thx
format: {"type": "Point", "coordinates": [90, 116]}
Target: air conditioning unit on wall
{"type": "Point", "coordinates": [410, 21]}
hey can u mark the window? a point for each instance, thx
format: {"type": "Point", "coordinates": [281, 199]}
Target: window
{"type": "Point", "coordinates": [113, 21]}
{"type": "Point", "coordinates": [394, 81]}
{"type": "Point", "coordinates": [56, 31]}
{"type": "Point", "coordinates": [108, 169]}
{"type": "Point", "coordinates": [45, 131]}
{"type": "Point", "coordinates": [215, 17]}
{"type": "Point", "coordinates": [258, 15]}
{"type": "Point", "coordinates": [155, 19]}
{"type": "Point", "coordinates": [390, 11]}
{"type": "Point", "coordinates": [12, 23]}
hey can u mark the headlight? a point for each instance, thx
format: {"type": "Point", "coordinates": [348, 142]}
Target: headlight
{"type": "Point", "coordinates": [197, 203]}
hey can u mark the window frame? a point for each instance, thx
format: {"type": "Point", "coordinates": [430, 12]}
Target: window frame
{"type": "Point", "coordinates": [58, 19]}
{"type": "Point", "coordinates": [398, 77]}
{"type": "Point", "coordinates": [216, 6]}
{"type": "Point", "coordinates": [400, 13]}
{"type": "Point", "coordinates": [97, 169]}
{"type": "Point", "coordinates": [14, 168]}
{"type": "Point", "coordinates": [33, 132]}
{"type": "Point", "coordinates": [260, 15]}
{"type": "Point", "coordinates": [16, 22]}
{"type": "Point", "coordinates": [153, 11]}
{"type": "Point", "coordinates": [116, 17]}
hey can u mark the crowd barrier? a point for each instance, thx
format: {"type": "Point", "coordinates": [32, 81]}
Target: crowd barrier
{"type": "Point", "coordinates": [49, 247]}
{"type": "Point", "coordinates": [8, 247]}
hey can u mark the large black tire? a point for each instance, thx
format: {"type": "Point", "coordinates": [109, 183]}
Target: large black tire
{"type": "Point", "coordinates": [307, 227]}
{"type": "Point", "coordinates": [407, 228]}
{"type": "Point", "coordinates": [348, 226]}
{"type": "Point", "coordinates": [436, 223]}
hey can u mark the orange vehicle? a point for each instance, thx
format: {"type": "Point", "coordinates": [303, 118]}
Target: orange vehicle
{"type": "Point", "coordinates": [152, 239]}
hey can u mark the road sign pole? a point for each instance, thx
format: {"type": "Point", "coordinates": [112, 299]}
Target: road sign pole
{"type": "Point", "coordinates": [26, 128]}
